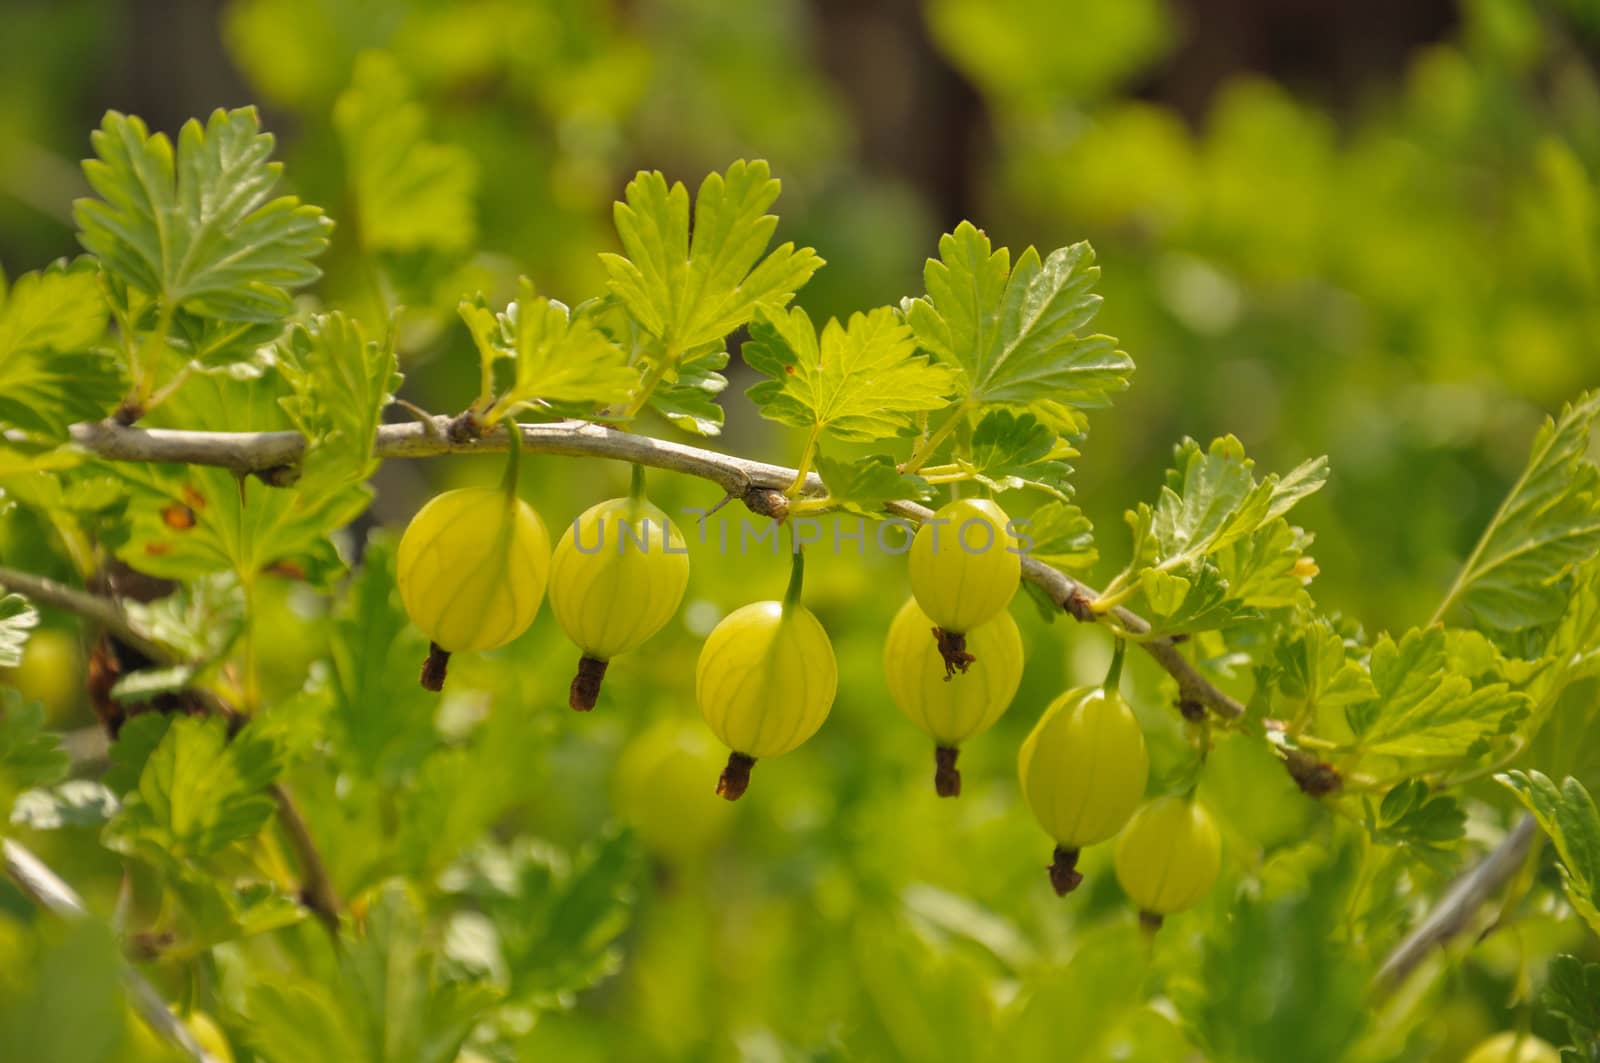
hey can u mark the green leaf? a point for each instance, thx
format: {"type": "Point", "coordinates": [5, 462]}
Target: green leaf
{"type": "Point", "coordinates": [1014, 333]}
{"type": "Point", "coordinates": [1010, 451]}
{"type": "Point", "coordinates": [136, 740]}
{"type": "Point", "coordinates": [557, 920]}
{"type": "Point", "coordinates": [384, 719]}
{"type": "Point", "coordinates": [197, 227]}
{"type": "Point", "coordinates": [687, 293]}
{"type": "Point", "coordinates": [1572, 993]}
{"type": "Point", "coordinates": [341, 383]}
{"type": "Point", "coordinates": [18, 618]}
{"type": "Point", "coordinates": [860, 382]}
{"type": "Point", "coordinates": [561, 362]}
{"type": "Point", "coordinates": [1275, 982]}
{"type": "Point", "coordinates": [687, 395]}
{"type": "Point", "coordinates": [51, 370]}
{"type": "Point", "coordinates": [392, 1000]}
{"type": "Point", "coordinates": [199, 791]}
{"type": "Point", "coordinates": [1423, 708]}
{"type": "Point", "coordinates": [409, 192]}
{"type": "Point", "coordinates": [1426, 824]}
{"type": "Point", "coordinates": [1317, 668]}
{"type": "Point", "coordinates": [402, 1001]}
{"type": "Point", "coordinates": [1548, 524]}
{"type": "Point", "coordinates": [1567, 814]}
{"type": "Point", "coordinates": [1058, 534]}
{"type": "Point", "coordinates": [865, 484]}
{"type": "Point", "coordinates": [29, 755]}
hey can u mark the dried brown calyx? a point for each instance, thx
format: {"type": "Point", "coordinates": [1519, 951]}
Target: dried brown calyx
{"type": "Point", "coordinates": [946, 779]}
{"type": "Point", "coordinates": [953, 648]}
{"type": "Point", "coordinates": [1064, 874]}
{"type": "Point", "coordinates": [735, 778]}
{"type": "Point", "coordinates": [434, 668]}
{"type": "Point", "coordinates": [585, 690]}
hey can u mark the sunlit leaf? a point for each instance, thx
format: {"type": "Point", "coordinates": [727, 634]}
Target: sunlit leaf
{"type": "Point", "coordinates": [1567, 814]}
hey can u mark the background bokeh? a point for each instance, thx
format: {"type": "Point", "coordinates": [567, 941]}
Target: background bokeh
{"type": "Point", "coordinates": [1365, 229]}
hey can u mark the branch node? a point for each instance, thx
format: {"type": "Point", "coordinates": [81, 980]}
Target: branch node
{"type": "Point", "coordinates": [1080, 605]}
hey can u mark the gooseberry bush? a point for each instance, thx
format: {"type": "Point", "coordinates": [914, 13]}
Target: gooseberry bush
{"type": "Point", "coordinates": [321, 864]}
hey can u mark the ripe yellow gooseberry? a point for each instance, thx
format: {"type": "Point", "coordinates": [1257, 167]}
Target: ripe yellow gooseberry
{"type": "Point", "coordinates": [1168, 857]}
{"type": "Point", "coordinates": [616, 578]}
{"type": "Point", "coordinates": [964, 569]}
{"type": "Point", "coordinates": [471, 567]}
{"type": "Point", "coordinates": [51, 673]}
{"type": "Point", "coordinates": [765, 681]}
{"type": "Point", "coordinates": [951, 713]}
{"type": "Point", "coordinates": [660, 789]}
{"type": "Point", "coordinates": [1083, 771]}
{"type": "Point", "coordinates": [1511, 1047]}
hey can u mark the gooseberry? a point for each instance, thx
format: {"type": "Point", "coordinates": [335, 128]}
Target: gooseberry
{"type": "Point", "coordinates": [964, 569]}
{"type": "Point", "coordinates": [951, 713]}
{"type": "Point", "coordinates": [660, 789]}
{"type": "Point", "coordinates": [1083, 771]}
{"type": "Point", "coordinates": [1509, 1047]}
{"type": "Point", "coordinates": [471, 567]}
{"type": "Point", "coordinates": [765, 681]}
{"type": "Point", "coordinates": [616, 578]}
{"type": "Point", "coordinates": [1168, 857]}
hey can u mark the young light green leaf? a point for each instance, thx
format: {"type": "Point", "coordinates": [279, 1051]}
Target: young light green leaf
{"type": "Point", "coordinates": [1567, 814]}
{"type": "Point", "coordinates": [341, 382]}
{"type": "Point", "coordinates": [1549, 523]}
{"type": "Point", "coordinates": [410, 193]}
{"type": "Point", "coordinates": [196, 227]}
{"type": "Point", "coordinates": [18, 618]}
{"type": "Point", "coordinates": [200, 790]}
{"type": "Point", "coordinates": [685, 292]}
{"type": "Point", "coordinates": [1058, 534]}
{"type": "Point", "coordinates": [1317, 667]}
{"type": "Point", "coordinates": [1423, 708]}
{"type": "Point", "coordinates": [51, 373]}
{"type": "Point", "coordinates": [687, 394]}
{"type": "Point", "coordinates": [1009, 451]}
{"type": "Point", "coordinates": [562, 363]}
{"type": "Point", "coordinates": [865, 484]}
{"type": "Point", "coordinates": [859, 382]}
{"type": "Point", "coordinates": [1014, 333]}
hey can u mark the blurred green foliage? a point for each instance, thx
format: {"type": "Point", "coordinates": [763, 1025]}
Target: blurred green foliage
{"type": "Point", "coordinates": [1406, 283]}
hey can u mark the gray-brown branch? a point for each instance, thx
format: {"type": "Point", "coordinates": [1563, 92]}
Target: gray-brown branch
{"type": "Point", "coordinates": [758, 485]}
{"type": "Point", "coordinates": [1455, 910]}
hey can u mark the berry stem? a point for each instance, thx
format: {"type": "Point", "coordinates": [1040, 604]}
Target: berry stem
{"type": "Point", "coordinates": [434, 668]}
{"type": "Point", "coordinates": [513, 461]}
{"type": "Point", "coordinates": [585, 689]}
{"type": "Point", "coordinates": [946, 779]}
{"type": "Point", "coordinates": [797, 573]}
{"type": "Point", "coordinates": [636, 483]}
{"type": "Point", "coordinates": [735, 778]}
{"type": "Point", "coordinates": [1114, 674]}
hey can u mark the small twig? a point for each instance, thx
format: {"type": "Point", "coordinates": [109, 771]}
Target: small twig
{"type": "Point", "coordinates": [49, 891]}
{"type": "Point", "coordinates": [316, 887]}
{"type": "Point", "coordinates": [1469, 892]}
